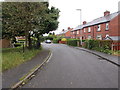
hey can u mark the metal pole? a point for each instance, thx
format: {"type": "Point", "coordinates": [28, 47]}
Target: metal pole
{"type": "Point", "coordinates": [80, 23]}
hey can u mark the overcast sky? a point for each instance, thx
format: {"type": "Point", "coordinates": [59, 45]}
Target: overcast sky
{"type": "Point", "coordinates": [91, 9]}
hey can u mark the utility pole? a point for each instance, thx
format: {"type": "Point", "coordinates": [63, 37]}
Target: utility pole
{"type": "Point", "coordinates": [80, 23]}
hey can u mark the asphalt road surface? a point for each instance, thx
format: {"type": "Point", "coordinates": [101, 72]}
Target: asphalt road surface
{"type": "Point", "coordinates": [73, 68]}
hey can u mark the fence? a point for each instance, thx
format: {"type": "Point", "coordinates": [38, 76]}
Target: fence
{"type": "Point", "coordinates": [4, 43]}
{"type": "Point", "coordinates": [115, 46]}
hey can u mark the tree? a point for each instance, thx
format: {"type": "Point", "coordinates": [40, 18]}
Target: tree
{"type": "Point", "coordinates": [21, 18]}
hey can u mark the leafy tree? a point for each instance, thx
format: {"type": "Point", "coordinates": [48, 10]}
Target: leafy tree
{"type": "Point", "coordinates": [20, 18]}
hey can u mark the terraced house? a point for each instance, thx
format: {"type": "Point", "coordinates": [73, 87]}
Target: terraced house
{"type": "Point", "coordinates": [103, 28]}
{"type": "Point", "coordinates": [66, 33]}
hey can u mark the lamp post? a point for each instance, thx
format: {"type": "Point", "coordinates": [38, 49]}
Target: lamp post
{"type": "Point", "coordinates": [80, 23]}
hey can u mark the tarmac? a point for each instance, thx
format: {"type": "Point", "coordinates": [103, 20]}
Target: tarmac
{"type": "Point", "coordinates": [13, 76]}
{"type": "Point", "coordinates": [111, 58]}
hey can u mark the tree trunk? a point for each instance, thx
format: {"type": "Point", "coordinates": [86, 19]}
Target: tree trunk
{"type": "Point", "coordinates": [29, 42]}
{"type": "Point", "coordinates": [26, 38]}
{"type": "Point", "coordinates": [38, 42]}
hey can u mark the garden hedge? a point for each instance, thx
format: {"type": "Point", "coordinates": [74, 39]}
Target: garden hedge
{"type": "Point", "coordinates": [73, 42]}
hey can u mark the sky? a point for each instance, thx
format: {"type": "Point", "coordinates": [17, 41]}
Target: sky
{"type": "Point", "coordinates": [91, 9]}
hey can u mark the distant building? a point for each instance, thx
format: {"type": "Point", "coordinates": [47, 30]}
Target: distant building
{"type": "Point", "coordinates": [66, 33]}
{"type": "Point", "coordinates": [106, 27]}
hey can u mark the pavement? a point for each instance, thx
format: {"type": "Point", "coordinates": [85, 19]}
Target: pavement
{"type": "Point", "coordinates": [111, 58]}
{"type": "Point", "coordinates": [12, 76]}
{"type": "Point", "coordinates": [73, 68]}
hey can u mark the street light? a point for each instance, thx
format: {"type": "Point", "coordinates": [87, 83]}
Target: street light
{"type": "Point", "coordinates": [80, 23]}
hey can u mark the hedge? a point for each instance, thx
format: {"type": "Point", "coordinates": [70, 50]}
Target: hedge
{"type": "Point", "coordinates": [91, 44]}
{"type": "Point", "coordinates": [56, 40]}
{"type": "Point", "coordinates": [99, 45]}
{"type": "Point", "coordinates": [73, 42]}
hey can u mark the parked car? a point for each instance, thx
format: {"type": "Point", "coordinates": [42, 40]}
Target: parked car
{"type": "Point", "coordinates": [48, 41]}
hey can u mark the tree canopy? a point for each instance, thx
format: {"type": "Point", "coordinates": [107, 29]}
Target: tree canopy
{"type": "Point", "coordinates": [18, 18]}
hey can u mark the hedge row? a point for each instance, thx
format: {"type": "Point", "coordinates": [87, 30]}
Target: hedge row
{"type": "Point", "coordinates": [99, 45]}
{"type": "Point", "coordinates": [56, 40]}
{"type": "Point", "coordinates": [91, 44]}
{"type": "Point", "coordinates": [73, 42]}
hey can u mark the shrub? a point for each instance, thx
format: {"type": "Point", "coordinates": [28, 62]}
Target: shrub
{"type": "Point", "coordinates": [73, 42]}
{"type": "Point", "coordinates": [63, 39]}
{"type": "Point", "coordinates": [99, 45]}
{"type": "Point", "coordinates": [56, 40]}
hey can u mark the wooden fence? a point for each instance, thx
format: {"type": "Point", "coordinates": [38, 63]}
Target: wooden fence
{"type": "Point", "coordinates": [4, 43]}
{"type": "Point", "coordinates": [115, 46]}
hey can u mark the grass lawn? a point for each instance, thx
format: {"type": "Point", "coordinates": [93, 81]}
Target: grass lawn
{"type": "Point", "coordinates": [12, 57]}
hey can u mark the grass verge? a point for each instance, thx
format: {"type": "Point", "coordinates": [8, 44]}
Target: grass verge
{"type": "Point", "coordinates": [12, 57]}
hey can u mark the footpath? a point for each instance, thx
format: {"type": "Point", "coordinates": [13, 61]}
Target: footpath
{"type": "Point", "coordinates": [13, 76]}
{"type": "Point", "coordinates": [113, 59]}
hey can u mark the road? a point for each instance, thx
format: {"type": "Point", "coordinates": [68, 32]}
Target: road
{"type": "Point", "coordinates": [73, 68]}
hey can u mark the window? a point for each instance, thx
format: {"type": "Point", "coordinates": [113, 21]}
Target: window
{"type": "Point", "coordinates": [89, 37]}
{"type": "Point", "coordinates": [107, 26]}
{"type": "Point", "coordinates": [84, 30]}
{"type": "Point", "coordinates": [99, 37]}
{"type": "Point", "coordinates": [99, 27]}
{"type": "Point", "coordinates": [77, 32]}
{"type": "Point", "coordinates": [89, 29]}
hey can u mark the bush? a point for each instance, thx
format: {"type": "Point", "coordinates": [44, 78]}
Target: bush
{"type": "Point", "coordinates": [63, 39]}
{"type": "Point", "coordinates": [56, 40]}
{"type": "Point", "coordinates": [91, 44]}
{"type": "Point", "coordinates": [105, 44]}
{"type": "Point", "coordinates": [99, 45]}
{"type": "Point", "coordinates": [73, 42]}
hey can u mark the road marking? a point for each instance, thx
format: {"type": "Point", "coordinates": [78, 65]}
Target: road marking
{"type": "Point", "coordinates": [49, 57]}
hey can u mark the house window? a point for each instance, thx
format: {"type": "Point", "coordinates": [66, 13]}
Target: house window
{"type": "Point", "coordinates": [77, 32]}
{"type": "Point", "coordinates": [84, 30]}
{"type": "Point", "coordinates": [89, 29]}
{"type": "Point", "coordinates": [89, 37]}
{"type": "Point", "coordinates": [107, 26]}
{"type": "Point", "coordinates": [99, 37]}
{"type": "Point", "coordinates": [99, 27]}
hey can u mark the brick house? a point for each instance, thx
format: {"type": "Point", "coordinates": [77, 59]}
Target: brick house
{"type": "Point", "coordinates": [102, 28]}
{"type": "Point", "coordinates": [66, 33]}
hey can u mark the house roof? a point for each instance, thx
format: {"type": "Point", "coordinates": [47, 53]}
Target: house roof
{"type": "Point", "coordinates": [98, 20]}
{"type": "Point", "coordinates": [78, 27]}
{"type": "Point", "coordinates": [63, 32]}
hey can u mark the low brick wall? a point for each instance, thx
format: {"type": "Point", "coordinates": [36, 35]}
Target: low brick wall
{"type": "Point", "coordinates": [62, 42]}
{"type": "Point", "coordinates": [4, 43]}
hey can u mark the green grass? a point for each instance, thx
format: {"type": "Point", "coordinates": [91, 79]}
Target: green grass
{"type": "Point", "coordinates": [117, 53]}
{"type": "Point", "coordinates": [13, 57]}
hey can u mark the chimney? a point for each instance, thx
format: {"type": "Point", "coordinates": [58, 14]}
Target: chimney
{"type": "Point", "coordinates": [106, 13]}
{"type": "Point", "coordinates": [84, 22]}
{"type": "Point", "coordinates": [68, 28]}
